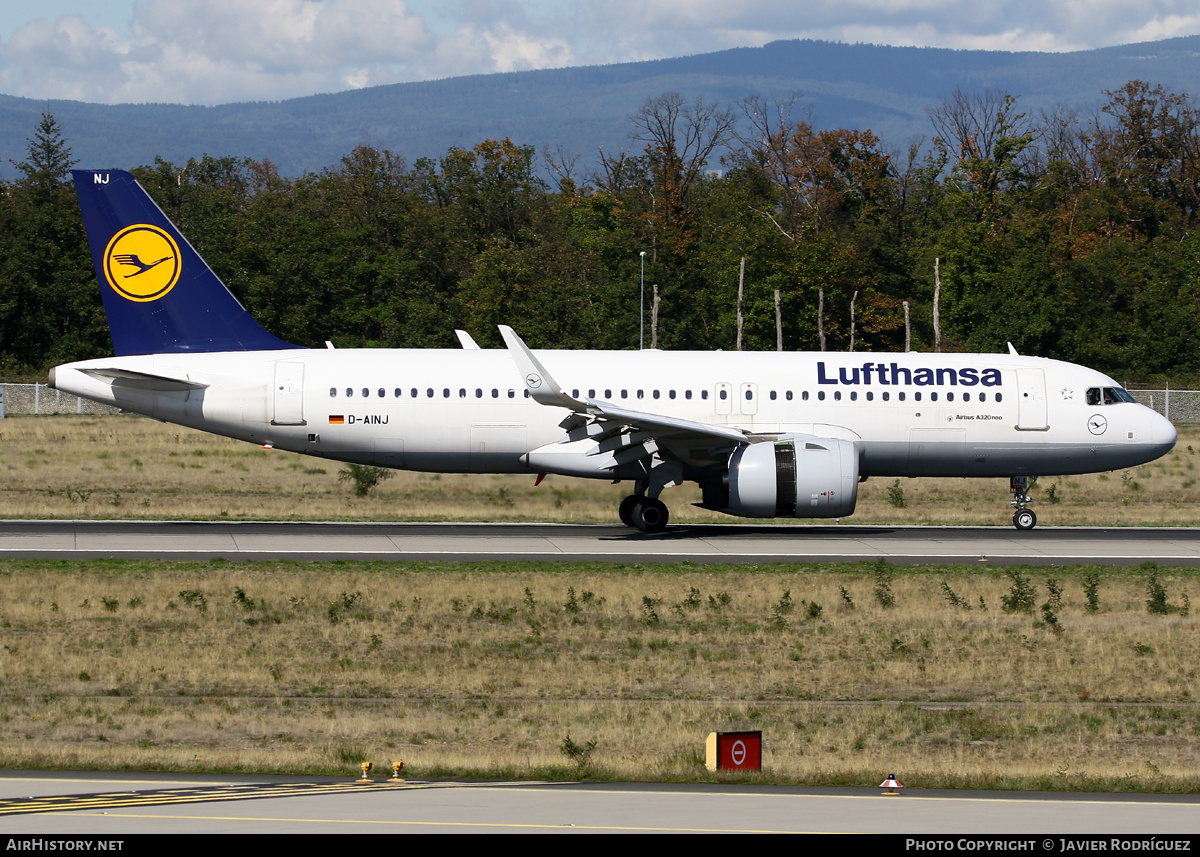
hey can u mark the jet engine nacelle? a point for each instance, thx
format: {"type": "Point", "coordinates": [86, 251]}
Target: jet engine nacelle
{"type": "Point", "coordinates": [794, 477]}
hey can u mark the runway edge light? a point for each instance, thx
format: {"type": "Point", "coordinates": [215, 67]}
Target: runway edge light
{"type": "Point", "coordinates": [366, 771]}
{"type": "Point", "coordinates": [891, 786]}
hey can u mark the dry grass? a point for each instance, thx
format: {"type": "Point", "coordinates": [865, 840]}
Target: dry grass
{"type": "Point", "coordinates": [485, 669]}
{"type": "Point", "coordinates": [130, 467]}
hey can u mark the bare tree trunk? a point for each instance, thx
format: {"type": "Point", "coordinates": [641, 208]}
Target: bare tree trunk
{"type": "Point", "coordinates": [741, 293]}
{"type": "Point", "coordinates": [907, 329]}
{"type": "Point", "coordinates": [654, 319]}
{"type": "Point", "coordinates": [937, 300]}
{"type": "Point", "coordinates": [852, 300]}
{"type": "Point", "coordinates": [821, 316]}
{"type": "Point", "coordinates": [778, 324]}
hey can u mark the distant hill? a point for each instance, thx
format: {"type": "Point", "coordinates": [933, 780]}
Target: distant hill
{"type": "Point", "coordinates": [885, 89]}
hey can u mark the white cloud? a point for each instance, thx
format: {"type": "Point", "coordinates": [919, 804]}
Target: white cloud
{"type": "Point", "coordinates": [223, 50]}
{"type": "Point", "coordinates": [472, 50]}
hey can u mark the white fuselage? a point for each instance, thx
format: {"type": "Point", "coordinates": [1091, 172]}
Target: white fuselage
{"type": "Point", "coordinates": [912, 414]}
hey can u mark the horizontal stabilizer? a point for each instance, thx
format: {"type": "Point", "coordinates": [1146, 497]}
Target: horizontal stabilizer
{"type": "Point", "coordinates": [144, 380]}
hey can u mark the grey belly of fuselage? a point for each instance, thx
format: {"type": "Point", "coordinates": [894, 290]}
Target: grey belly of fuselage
{"type": "Point", "coordinates": [1000, 459]}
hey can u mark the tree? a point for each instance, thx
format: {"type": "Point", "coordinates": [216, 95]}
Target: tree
{"type": "Point", "coordinates": [48, 160]}
{"type": "Point", "coordinates": [49, 303]}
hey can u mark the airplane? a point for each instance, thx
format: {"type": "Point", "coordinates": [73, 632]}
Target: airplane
{"type": "Point", "coordinates": [765, 435]}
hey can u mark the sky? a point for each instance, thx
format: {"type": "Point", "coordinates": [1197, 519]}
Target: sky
{"type": "Point", "coordinates": [219, 51]}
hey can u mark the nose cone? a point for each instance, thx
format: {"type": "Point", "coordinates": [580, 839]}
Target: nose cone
{"type": "Point", "coordinates": [1163, 434]}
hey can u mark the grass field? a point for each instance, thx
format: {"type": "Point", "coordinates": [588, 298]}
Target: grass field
{"type": "Point", "coordinates": [131, 467]}
{"type": "Point", "coordinates": [850, 672]}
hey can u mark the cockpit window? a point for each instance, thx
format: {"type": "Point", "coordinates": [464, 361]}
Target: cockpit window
{"type": "Point", "coordinates": [1108, 395]}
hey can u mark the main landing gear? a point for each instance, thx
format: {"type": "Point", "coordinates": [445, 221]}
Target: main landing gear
{"type": "Point", "coordinates": [645, 513]}
{"type": "Point", "coordinates": [1023, 518]}
{"type": "Point", "coordinates": [643, 509]}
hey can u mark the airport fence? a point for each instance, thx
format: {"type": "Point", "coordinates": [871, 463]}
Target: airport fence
{"type": "Point", "coordinates": [1181, 407]}
{"type": "Point", "coordinates": [23, 399]}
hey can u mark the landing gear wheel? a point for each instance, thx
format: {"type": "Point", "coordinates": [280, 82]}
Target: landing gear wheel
{"type": "Point", "coordinates": [649, 516]}
{"type": "Point", "coordinates": [625, 510]}
{"type": "Point", "coordinates": [1024, 519]}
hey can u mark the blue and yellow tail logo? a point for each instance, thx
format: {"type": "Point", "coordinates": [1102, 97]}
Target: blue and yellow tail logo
{"type": "Point", "coordinates": [141, 263]}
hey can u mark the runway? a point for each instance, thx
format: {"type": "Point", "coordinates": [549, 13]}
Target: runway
{"type": "Point", "coordinates": [112, 805]}
{"type": "Point", "coordinates": [729, 543]}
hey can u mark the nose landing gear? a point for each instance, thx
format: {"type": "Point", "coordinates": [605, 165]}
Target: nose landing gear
{"type": "Point", "coordinates": [1024, 518]}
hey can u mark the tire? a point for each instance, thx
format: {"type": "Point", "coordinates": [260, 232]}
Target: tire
{"type": "Point", "coordinates": [625, 510]}
{"type": "Point", "coordinates": [650, 516]}
{"type": "Point", "coordinates": [1024, 519]}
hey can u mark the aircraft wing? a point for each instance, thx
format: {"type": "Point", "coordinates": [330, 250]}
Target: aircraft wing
{"type": "Point", "coordinates": [600, 421]}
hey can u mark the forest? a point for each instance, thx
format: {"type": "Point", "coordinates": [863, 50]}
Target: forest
{"type": "Point", "coordinates": [1071, 236]}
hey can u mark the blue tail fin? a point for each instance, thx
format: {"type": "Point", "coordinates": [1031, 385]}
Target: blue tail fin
{"type": "Point", "coordinates": [159, 295]}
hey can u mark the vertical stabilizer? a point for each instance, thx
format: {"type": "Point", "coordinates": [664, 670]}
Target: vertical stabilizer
{"type": "Point", "coordinates": [159, 295]}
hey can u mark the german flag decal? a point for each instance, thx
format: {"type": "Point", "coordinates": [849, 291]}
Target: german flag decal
{"type": "Point", "coordinates": [336, 419]}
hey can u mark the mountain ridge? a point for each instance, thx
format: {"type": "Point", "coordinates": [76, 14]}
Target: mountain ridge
{"type": "Point", "coordinates": [884, 88]}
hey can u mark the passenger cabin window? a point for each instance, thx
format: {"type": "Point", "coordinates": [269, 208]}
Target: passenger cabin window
{"type": "Point", "coordinates": [333, 392]}
{"type": "Point", "coordinates": [349, 392]}
{"type": "Point", "coordinates": [788, 395]}
{"type": "Point", "coordinates": [382, 392]}
{"type": "Point", "coordinates": [366, 392]}
{"type": "Point", "coordinates": [398, 392]}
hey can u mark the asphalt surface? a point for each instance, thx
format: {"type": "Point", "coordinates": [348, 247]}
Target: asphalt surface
{"type": "Point", "coordinates": [734, 543]}
{"type": "Point", "coordinates": [112, 805]}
